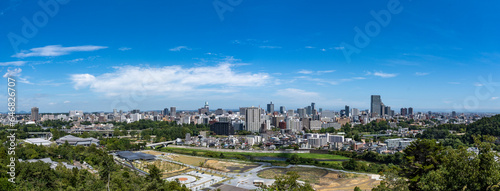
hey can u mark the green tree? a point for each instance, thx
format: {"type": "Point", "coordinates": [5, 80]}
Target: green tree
{"type": "Point", "coordinates": [154, 173]}
{"type": "Point", "coordinates": [289, 182]}
{"type": "Point", "coordinates": [421, 157]}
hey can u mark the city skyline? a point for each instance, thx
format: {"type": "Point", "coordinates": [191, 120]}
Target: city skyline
{"type": "Point", "coordinates": [141, 55]}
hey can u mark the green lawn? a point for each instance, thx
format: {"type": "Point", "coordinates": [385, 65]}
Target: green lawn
{"type": "Point", "coordinates": [229, 154]}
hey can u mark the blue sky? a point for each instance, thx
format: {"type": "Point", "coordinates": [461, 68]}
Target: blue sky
{"type": "Point", "coordinates": [100, 55]}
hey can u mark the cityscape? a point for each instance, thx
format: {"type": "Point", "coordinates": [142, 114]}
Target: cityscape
{"type": "Point", "coordinates": [236, 95]}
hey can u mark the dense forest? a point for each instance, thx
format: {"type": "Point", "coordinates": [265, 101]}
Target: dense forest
{"type": "Point", "coordinates": [39, 175]}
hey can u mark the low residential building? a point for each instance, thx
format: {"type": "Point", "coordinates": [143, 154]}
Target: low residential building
{"type": "Point", "coordinates": [72, 140]}
{"type": "Point", "coordinates": [38, 141]}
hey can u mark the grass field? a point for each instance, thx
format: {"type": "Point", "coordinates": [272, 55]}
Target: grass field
{"type": "Point", "coordinates": [164, 166]}
{"type": "Point", "coordinates": [311, 175]}
{"type": "Point", "coordinates": [234, 154]}
{"type": "Point", "coordinates": [190, 160]}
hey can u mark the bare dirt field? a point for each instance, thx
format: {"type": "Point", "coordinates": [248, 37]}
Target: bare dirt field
{"type": "Point", "coordinates": [325, 180]}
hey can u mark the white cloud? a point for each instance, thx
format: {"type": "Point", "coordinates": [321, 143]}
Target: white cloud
{"type": "Point", "coordinates": [17, 74]}
{"type": "Point", "coordinates": [494, 98]}
{"type": "Point", "coordinates": [270, 47]}
{"type": "Point", "coordinates": [56, 50]}
{"type": "Point", "coordinates": [382, 74]}
{"type": "Point", "coordinates": [296, 93]}
{"type": "Point", "coordinates": [66, 101]}
{"type": "Point", "coordinates": [13, 63]}
{"type": "Point", "coordinates": [323, 50]}
{"type": "Point", "coordinates": [179, 48]}
{"type": "Point", "coordinates": [478, 84]}
{"type": "Point", "coordinates": [315, 72]}
{"type": "Point", "coordinates": [331, 82]}
{"type": "Point", "coordinates": [421, 74]}
{"type": "Point", "coordinates": [124, 48]}
{"type": "Point", "coordinates": [13, 73]}
{"type": "Point", "coordinates": [338, 48]}
{"type": "Point", "coordinates": [305, 72]}
{"type": "Point", "coordinates": [169, 80]}
{"type": "Point", "coordinates": [325, 71]}
{"type": "Point", "coordinates": [309, 47]}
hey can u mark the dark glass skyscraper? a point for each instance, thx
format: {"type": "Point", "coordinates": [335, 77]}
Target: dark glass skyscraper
{"type": "Point", "coordinates": [376, 106]}
{"type": "Point", "coordinates": [270, 108]}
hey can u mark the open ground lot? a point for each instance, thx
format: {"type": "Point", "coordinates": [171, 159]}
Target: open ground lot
{"type": "Point", "coordinates": [322, 179]}
{"type": "Point", "coordinates": [226, 166]}
{"type": "Point", "coordinates": [230, 154]}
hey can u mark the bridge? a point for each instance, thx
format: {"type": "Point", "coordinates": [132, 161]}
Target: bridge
{"type": "Point", "coordinates": [164, 144]}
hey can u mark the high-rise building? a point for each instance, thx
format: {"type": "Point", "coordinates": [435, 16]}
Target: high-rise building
{"type": "Point", "coordinates": [382, 109]}
{"type": "Point", "coordinates": [173, 111]}
{"type": "Point", "coordinates": [34, 114]}
{"type": "Point", "coordinates": [206, 105]}
{"type": "Point", "coordinates": [252, 119]}
{"type": "Point", "coordinates": [282, 110]}
{"type": "Point", "coordinates": [404, 111]}
{"type": "Point", "coordinates": [309, 110]}
{"type": "Point", "coordinates": [243, 111]}
{"type": "Point", "coordinates": [134, 111]}
{"type": "Point", "coordinates": [355, 112]}
{"type": "Point", "coordinates": [165, 111]}
{"type": "Point", "coordinates": [410, 111]}
{"type": "Point", "coordinates": [347, 111]}
{"type": "Point", "coordinates": [270, 108]}
{"type": "Point", "coordinates": [222, 128]}
{"type": "Point", "coordinates": [313, 106]}
{"type": "Point", "coordinates": [387, 110]}
{"type": "Point", "coordinates": [301, 112]}
{"type": "Point", "coordinates": [219, 111]}
{"type": "Point", "coordinates": [376, 104]}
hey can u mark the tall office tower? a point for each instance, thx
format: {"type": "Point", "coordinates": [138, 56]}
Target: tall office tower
{"type": "Point", "coordinates": [134, 111]}
{"type": "Point", "coordinates": [301, 112]}
{"type": "Point", "coordinates": [308, 110]}
{"type": "Point", "coordinates": [270, 108]}
{"type": "Point", "coordinates": [347, 111]}
{"type": "Point", "coordinates": [387, 110]}
{"type": "Point", "coordinates": [165, 111]}
{"type": "Point", "coordinates": [114, 112]}
{"type": "Point", "coordinates": [282, 110]}
{"type": "Point", "coordinates": [382, 109]}
{"type": "Point", "coordinates": [243, 111]}
{"type": "Point", "coordinates": [410, 111]}
{"type": "Point", "coordinates": [376, 104]}
{"type": "Point", "coordinates": [404, 111]}
{"type": "Point", "coordinates": [313, 106]}
{"type": "Point", "coordinates": [173, 111]}
{"type": "Point", "coordinates": [320, 110]}
{"type": "Point", "coordinates": [355, 112]}
{"type": "Point", "coordinates": [206, 106]}
{"type": "Point", "coordinates": [34, 114]}
{"type": "Point", "coordinates": [453, 113]}
{"type": "Point", "coordinates": [252, 119]}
